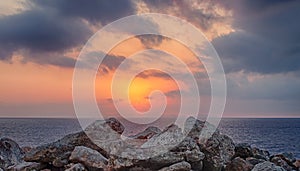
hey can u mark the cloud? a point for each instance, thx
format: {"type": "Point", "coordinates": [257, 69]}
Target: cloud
{"type": "Point", "coordinates": [92, 10]}
{"type": "Point", "coordinates": [268, 40]}
{"type": "Point", "coordinates": [111, 63]}
{"type": "Point", "coordinates": [153, 73]}
{"type": "Point", "coordinates": [150, 40]}
{"type": "Point", "coordinates": [40, 34]}
{"type": "Point", "coordinates": [50, 28]}
{"type": "Point", "coordinates": [206, 15]}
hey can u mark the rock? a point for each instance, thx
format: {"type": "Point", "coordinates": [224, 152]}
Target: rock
{"type": "Point", "coordinates": [267, 166]}
{"type": "Point", "coordinates": [10, 153]}
{"type": "Point", "coordinates": [218, 150]}
{"type": "Point", "coordinates": [199, 130]}
{"type": "Point", "coordinates": [26, 149]}
{"type": "Point", "coordinates": [280, 162]}
{"type": "Point", "coordinates": [147, 133]}
{"type": "Point", "coordinates": [254, 161]}
{"type": "Point", "coordinates": [58, 162]}
{"type": "Point", "coordinates": [260, 154]}
{"type": "Point", "coordinates": [243, 150]}
{"type": "Point", "coordinates": [76, 167]}
{"type": "Point", "coordinates": [88, 157]}
{"type": "Point", "coordinates": [58, 152]}
{"type": "Point", "coordinates": [115, 125]}
{"type": "Point", "coordinates": [297, 164]}
{"type": "Point", "coordinates": [106, 135]}
{"type": "Point", "coordinates": [120, 163]}
{"type": "Point", "coordinates": [238, 164]}
{"type": "Point", "coordinates": [287, 158]}
{"type": "Point", "coordinates": [169, 137]}
{"type": "Point", "coordinates": [181, 166]}
{"type": "Point", "coordinates": [192, 153]}
{"type": "Point", "coordinates": [27, 166]}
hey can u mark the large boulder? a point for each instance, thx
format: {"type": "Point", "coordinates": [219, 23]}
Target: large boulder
{"type": "Point", "coordinates": [238, 164]}
{"type": "Point", "coordinates": [106, 134]}
{"type": "Point", "coordinates": [58, 152]}
{"type": "Point", "coordinates": [168, 138]}
{"type": "Point", "coordinates": [198, 129]}
{"type": "Point", "coordinates": [168, 147]}
{"type": "Point", "coordinates": [267, 166]}
{"type": "Point", "coordinates": [90, 158]}
{"type": "Point", "coordinates": [218, 148]}
{"type": "Point", "coordinates": [10, 153]}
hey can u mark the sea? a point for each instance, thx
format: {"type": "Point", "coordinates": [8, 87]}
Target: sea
{"type": "Point", "coordinates": [276, 135]}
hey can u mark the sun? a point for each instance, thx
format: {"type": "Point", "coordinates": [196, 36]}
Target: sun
{"type": "Point", "coordinates": [139, 91]}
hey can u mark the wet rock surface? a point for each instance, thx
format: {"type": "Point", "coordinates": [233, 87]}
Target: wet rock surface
{"type": "Point", "coordinates": [198, 146]}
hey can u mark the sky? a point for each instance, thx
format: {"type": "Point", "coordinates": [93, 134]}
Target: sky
{"type": "Point", "coordinates": [258, 43]}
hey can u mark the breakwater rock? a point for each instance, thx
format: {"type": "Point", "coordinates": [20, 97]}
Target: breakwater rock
{"type": "Point", "coordinates": [197, 146]}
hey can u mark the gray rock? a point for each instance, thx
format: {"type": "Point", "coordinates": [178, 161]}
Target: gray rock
{"type": "Point", "coordinates": [115, 125]}
{"type": "Point", "coordinates": [260, 154]}
{"type": "Point", "coordinates": [296, 164]}
{"type": "Point", "coordinates": [218, 150]}
{"type": "Point", "coordinates": [10, 153]}
{"type": "Point", "coordinates": [169, 137]}
{"type": "Point", "coordinates": [267, 166]}
{"type": "Point", "coordinates": [287, 159]}
{"type": "Point", "coordinates": [88, 157]}
{"type": "Point", "coordinates": [165, 159]}
{"type": "Point", "coordinates": [121, 163]}
{"type": "Point", "coordinates": [106, 135]}
{"type": "Point", "coordinates": [279, 161]}
{"type": "Point", "coordinates": [59, 151]}
{"type": "Point", "coordinates": [243, 150]}
{"type": "Point", "coordinates": [181, 166]}
{"type": "Point", "coordinates": [147, 133]}
{"type": "Point", "coordinates": [27, 166]}
{"type": "Point", "coordinates": [238, 164]}
{"type": "Point", "coordinates": [254, 161]}
{"type": "Point", "coordinates": [198, 129]}
{"type": "Point", "coordinates": [76, 167]}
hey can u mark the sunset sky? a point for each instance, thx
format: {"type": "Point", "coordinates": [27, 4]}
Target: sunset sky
{"type": "Point", "coordinates": [257, 41]}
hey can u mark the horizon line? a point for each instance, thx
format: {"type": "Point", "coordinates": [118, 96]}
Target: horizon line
{"type": "Point", "coordinates": [226, 117]}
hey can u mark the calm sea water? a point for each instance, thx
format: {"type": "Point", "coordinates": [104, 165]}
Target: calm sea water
{"type": "Point", "coordinates": [274, 135]}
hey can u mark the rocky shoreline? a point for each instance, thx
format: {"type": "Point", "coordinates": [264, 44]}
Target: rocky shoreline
{"type": "Point", "coordinates": [171, 149]}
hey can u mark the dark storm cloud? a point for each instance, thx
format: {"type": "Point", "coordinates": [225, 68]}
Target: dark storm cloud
{"type": "Point", "coordinates": [50, 28]}
{"type": "Point", "coordinates": [93, 10]}
{"type": "Point", "coordinates": [268, 40]}
{"type": "Point", "coordinates": [39, 33]}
